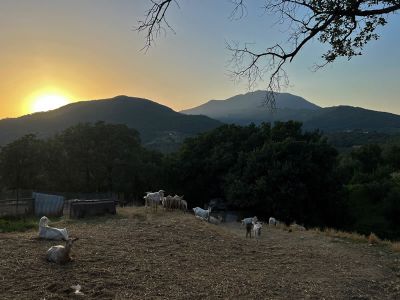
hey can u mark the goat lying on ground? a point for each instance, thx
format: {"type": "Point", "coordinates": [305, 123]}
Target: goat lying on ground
{"type": "Point", "coordinates": [51, 233]}
{"type": "Point", "coordinates": [60, 254]}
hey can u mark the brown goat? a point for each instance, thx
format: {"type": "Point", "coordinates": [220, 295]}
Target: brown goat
{"type": "Point", "coordinates": [60, 254]}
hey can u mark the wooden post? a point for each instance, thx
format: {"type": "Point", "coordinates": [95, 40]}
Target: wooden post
{"type": "Point", "coordinates": [16, 206]}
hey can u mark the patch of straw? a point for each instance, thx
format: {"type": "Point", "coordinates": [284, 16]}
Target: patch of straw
{"type": "Point", "coordinates": [396, 246]}
{"type": "Point", "coordinates": [353, 236]}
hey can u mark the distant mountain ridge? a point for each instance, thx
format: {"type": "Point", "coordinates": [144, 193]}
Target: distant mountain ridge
{"type": "Point", "coordinates": [250, 105]}
{"type": "Point", "coordinates": [157, 124]}
{"type": "Point", "coordinates": [247, 108]}
{"type": "Point", "coordinates": [164, 129]}
{"type": "Point", "coordinates": [343, 117]}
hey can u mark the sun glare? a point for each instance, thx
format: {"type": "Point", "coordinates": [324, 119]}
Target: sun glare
{"type": "Point", "coordinates": [47, 102]}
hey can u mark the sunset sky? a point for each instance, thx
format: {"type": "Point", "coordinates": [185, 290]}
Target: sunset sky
{"type": "Point", "coordinates": [71, 50]}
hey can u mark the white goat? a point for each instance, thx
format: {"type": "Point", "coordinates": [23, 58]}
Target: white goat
{"type": "Point", "coordinates": [153, 199]}
{"type": "Point", "coordinates": [257, 229]}
{"type": "Point", "coordinates": [51, 233]}
{"type": "Point", "coordinates": [175, 202]}
{"type": "Point", "coordinates": [184, 205]}
{"type": "Point", "coordinates": [60, 254]}
{"type": "Point", "coordinates": [180, 203]}
{"type": "Point", "coordinates": [272, 221]}
{"type": "Point", "coordinates": [202, 213]}
{"type": "Point", "coordinates": [246, 221]}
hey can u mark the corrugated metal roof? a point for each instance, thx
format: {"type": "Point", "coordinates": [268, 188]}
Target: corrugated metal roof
{"type": "Point", "coordinates": [48, 205]}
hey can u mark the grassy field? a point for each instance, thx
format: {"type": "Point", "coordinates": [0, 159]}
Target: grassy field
{"type": "Point", "coordinates": [166, 255]}
{"type": "Point", "coordinates": [10, 224]}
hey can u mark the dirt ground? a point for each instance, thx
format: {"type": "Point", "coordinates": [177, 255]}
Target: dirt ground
{"type": "Point", "coordinates": [176, 256]}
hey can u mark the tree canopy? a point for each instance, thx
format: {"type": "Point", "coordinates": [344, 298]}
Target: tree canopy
{"type": "Point", "coordinates": [345, 26]}
{"type": "Point", "coordinates": [280, 170]}
{"type": "Point", "coordinates": [85, 158]}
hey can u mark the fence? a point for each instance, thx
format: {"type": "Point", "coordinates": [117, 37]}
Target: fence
{"type": "Point", "coordinates": [14, 207]}
{"type": "Point", "coordinates": [26, 205]}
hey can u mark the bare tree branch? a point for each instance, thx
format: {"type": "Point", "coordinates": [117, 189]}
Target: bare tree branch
{"type": "Point", "coordinates": [154, 20]}
{"type": "Point", "coordinates": [345, 25]}
{"type": "Point", "coordinates": [239, 10]}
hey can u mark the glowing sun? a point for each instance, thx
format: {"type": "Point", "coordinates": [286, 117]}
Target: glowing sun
{"type": "Point", "coordinates": [47, 102]}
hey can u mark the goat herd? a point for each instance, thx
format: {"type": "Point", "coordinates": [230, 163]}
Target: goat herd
{"type": "Point", "coordinates": [153, 199]}
{"type": "Point", "coordinates": [61, 254]}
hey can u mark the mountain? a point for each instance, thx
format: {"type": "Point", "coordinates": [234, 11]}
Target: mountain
{"type": "Point", "coordinates": [348, 118]}
{"type": "Point", "coordinates": [247, 108]}
{"type": "Point", "coordinates": [163, 129]}
{"type": "Point", "coordinates": [160, 127]}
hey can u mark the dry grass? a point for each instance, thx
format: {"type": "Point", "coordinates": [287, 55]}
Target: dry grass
{"type": "Point", "coordinates": [132, 213]}
{"type": "Point", "coordinates": [172, 255]}
{"type": "Point", "coordinates": [353, 236]}
{"type": "Point", "coordinates": [373, 239]}
{"type": "Point", "coordinates": [395, 246]}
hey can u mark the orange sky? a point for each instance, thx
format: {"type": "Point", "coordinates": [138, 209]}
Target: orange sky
{"type": "Point", "coordinates": [88, 50]}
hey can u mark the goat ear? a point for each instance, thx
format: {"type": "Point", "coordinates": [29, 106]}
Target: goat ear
{"type": "Point", "coordinates": [74, 239]}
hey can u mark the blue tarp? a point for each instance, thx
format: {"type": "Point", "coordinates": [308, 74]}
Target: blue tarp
{"type": "Point", "coordinates": [48, 205]}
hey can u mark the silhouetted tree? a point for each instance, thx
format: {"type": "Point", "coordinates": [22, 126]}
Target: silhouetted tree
{"type": "Point", "coordinates": [21, 163]}
{"type": "Point", "coordinates": [280, 171]}
{"type": "Point", "coordinates": [372, 190]}
{"type": "Point", "coordinates": [86, 157]}
{"type": "Point", "coordinates": [93, 155]}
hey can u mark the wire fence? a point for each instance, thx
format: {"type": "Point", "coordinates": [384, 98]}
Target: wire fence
{"type": "Point", "coordinates": [17, 207]}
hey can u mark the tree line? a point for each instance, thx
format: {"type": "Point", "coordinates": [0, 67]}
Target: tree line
{"type": "Point", "coordinates": [278, 170]}
{"type": "Point", "coordinates": [85, 158]}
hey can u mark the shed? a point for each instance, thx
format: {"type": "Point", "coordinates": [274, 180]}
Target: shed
{"type": "Point", "coordinates": [48, 205]}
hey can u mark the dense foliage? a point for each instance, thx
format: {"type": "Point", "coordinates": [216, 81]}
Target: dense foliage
{"type": "Point", "coordinates": [372, 190]}
{"type": "Point", "coordinates": [277, 170]}
{"type": "Point", "coordinates": [83, 158]}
